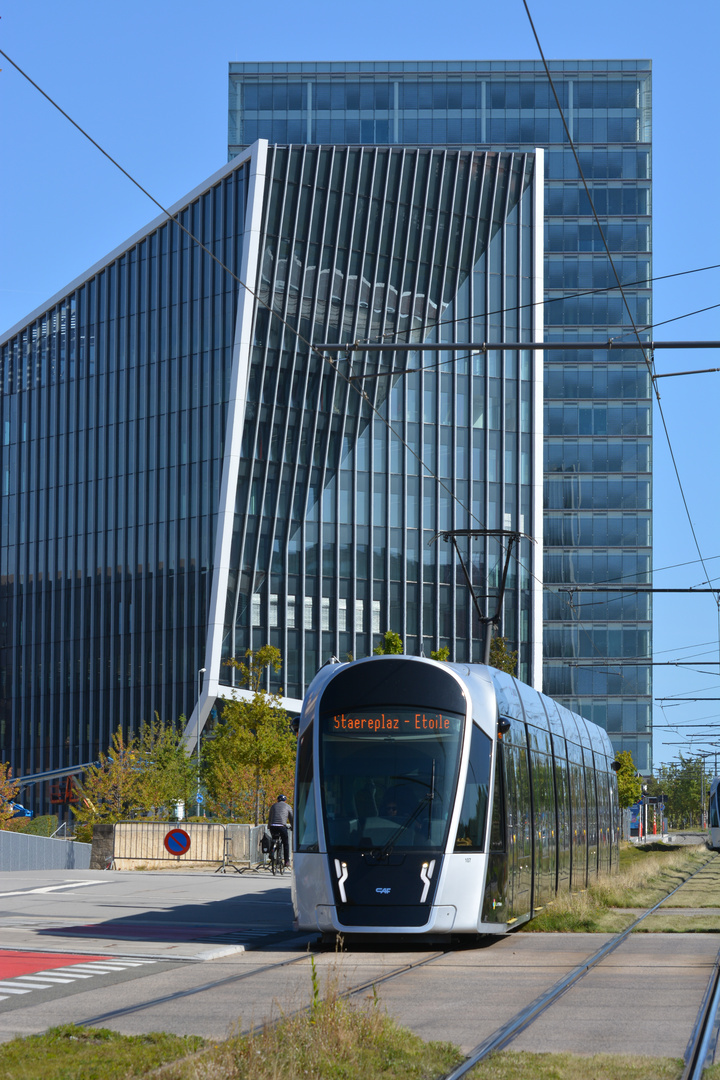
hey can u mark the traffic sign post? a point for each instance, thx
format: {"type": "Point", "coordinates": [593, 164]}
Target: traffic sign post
{"type": "Point", "coordinates": [177, 842]}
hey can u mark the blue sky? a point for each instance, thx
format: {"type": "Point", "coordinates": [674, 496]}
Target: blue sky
{"type": "Point", "coordinates": [149, 82]}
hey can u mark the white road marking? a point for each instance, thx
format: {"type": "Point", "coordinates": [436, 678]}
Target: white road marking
{"type": "Point", "coordinates": [76, 975]}
{"type": "Point", "coordinates": [25, 984]}
{"type": "Point", "coordinates": [44, 978]}
{"type": "Point", "coordinates": [55, 888]}
{"type": "Point", "coordinates": [104, 969]}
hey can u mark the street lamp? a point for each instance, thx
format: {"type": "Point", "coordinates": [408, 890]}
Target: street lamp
{"type": "Point", "coordinates": [200, 674]}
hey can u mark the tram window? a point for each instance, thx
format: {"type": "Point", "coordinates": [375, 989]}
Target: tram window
{"type": "Point", "coordinates": [497, 828]}
{"type": "Point", "coordinates": [305, 816]}
{"type": "Point", "coordinates": [714, 810]}
{"type": "Point", "coordinates": [470, 834]}
{"type": "Point", "coordinates": [388, 776]}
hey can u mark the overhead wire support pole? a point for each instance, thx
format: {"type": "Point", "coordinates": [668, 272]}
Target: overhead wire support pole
{"type": "Point", "coordinates": [512, 537]}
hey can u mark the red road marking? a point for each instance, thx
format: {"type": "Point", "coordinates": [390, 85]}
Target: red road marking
{"type": "Point", "coordinates": [13, 963]}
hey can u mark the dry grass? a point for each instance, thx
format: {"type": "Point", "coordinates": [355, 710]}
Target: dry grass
{"type": "Point", "coordinates": [515, 1066]}
{"type": "Point", "coordinates": [702, 891]}
{"type": "Point", "coordinates": [643, 879]}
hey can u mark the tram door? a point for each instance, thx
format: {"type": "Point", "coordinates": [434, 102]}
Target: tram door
{"type": "Point", "coordinates": [519, 822]}
{"type": "Point", "coordinates": [592, 813]}
{"type": "Point", "coordinates": [604, 834]}
{"type": "Point", "coordinates": [562, 788]}
{"type": "Point", "coordinates": [543, 804]}
{"type": "Point", "coordinates": [579, 815]}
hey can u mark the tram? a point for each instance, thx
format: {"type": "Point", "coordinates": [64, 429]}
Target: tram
{"type": "Point", "coordinates": [714, 814]}
{"type": "Point", "coordinates": [443, 799]}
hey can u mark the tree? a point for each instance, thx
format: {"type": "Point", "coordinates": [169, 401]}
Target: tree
{"type": "Point", "coordinates": [8, 791]}
{"type": "Point", "coordinates": [109, 791]}
{"type": "Point", "coordinates": [500, 657]}
{"type": "Point", "coordinates": [629, 783]}
{"type": "Point", "coordinates": [391, 645]}
{"type": "Point", "coordinates": [167, 775]}
{"type": "Point", "coordinates": [441, 655]}
{"type": "Point", "coordinates": [684, 783]}
{"type": "Point", "coordinates": [146, 774]}
{"type": "Point", "coordinates": [253, 751]}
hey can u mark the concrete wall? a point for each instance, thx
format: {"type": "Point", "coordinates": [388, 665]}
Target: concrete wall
{"type": "Point", "coordinates": [21, 851]}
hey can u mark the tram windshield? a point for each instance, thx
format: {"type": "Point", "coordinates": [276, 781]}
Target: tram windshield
{"type": "Point", "coordinates": [389, 776]}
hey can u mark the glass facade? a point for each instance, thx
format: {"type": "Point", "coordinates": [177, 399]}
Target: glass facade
{"type": "Point", "coordinates": [335, 516]}
{"type": "Point", "coordinates": [184, 477]}
{"type": "Point", "coordinates": [597, 402]}
{"type": "Point", "coordinates": [113, 411]}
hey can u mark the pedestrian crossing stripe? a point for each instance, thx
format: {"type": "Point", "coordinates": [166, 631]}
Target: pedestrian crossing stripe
{"type": "Point", "coordinates": [46, 980]}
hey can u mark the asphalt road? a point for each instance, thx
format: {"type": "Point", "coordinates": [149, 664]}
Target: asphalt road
{"type": "Point", "coordinates": [205, 954]}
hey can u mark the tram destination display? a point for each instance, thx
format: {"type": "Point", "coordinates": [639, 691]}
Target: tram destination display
{"type": "Point", "coordinates": [379, 722]}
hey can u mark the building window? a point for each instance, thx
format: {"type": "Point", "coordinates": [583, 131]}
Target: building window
{"type": "Point", "coordinates": [256, 609]}
{"type": "Point", "coordinates": [290, 620]}
{"type": "Point", "coordinates": [308, 612]}
{"type": "Point", "coordinates": [325, 613]}
{"type": "Point", "coordinates": [376, 616]}
{"type": "Point", "coordinates": [342, 614]}
{"type": "Point", "coordinates": [273, 619]}
{"type": "Point", "coordinates": [359, 616]}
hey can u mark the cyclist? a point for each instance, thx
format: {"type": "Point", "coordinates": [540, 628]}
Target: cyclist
{"type": "Point", "coordinates": [279, 818]}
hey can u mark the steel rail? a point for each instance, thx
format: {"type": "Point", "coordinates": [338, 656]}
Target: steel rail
{"type": "Point", "coordinates": [703, 1040]}
{"type": "Point", "coordinates": [229, 979]}
{"type": "Point", "coordinates": [494, 1042]}
{"type": "Point", "coordinates": [513, 1027]}
{"type": "Point", "coordinates": [92, 1021]}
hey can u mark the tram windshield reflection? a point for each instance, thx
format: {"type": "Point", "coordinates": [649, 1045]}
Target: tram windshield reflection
{"type": "Point", "coordinates": [388, 777]}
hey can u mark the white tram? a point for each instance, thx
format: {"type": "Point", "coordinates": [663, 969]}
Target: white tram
{"type": "Point", "coordinates": [714, 814]}
{"type": "Point", "coordinates": [438, 799]}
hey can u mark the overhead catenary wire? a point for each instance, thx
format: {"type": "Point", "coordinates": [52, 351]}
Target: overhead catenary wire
{"type": "Point", "coordinates": [648, 359]}
{"type": "Point", "coordinates": [426, 327]}
{"type": "Point", "coordinates": [641, 345]}
{"type": "Point", "coordinates": [258, 299]}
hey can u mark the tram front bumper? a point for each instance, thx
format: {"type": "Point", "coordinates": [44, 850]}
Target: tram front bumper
{"type": "Point", "coordinates": [441, 921]}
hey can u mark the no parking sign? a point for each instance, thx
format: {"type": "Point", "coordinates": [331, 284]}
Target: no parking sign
{"type": "Point", "coordinates": [177, 842]}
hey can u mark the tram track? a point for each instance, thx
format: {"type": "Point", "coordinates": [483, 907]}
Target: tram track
{"type": "Point", "coordinates": [699, 1049]}
{"type": "Point", "coordinates": [703, 1037]}
{"type": "Point", "coordinates": [228, 980]}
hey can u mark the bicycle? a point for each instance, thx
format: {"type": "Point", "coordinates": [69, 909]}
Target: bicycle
{"type": "Point", "coordinates": [277, 856]}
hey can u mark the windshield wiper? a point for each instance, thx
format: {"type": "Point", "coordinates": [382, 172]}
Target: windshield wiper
{"type": "Point", "coordinates": [426, 800]}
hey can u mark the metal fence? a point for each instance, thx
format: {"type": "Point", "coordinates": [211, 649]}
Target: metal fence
{"type": "Point", "coordinates": [150, 842]}
{"type": "Point", "coordinates": [161, 841]}
{"type": "Point", "coordinates": [22, 851]}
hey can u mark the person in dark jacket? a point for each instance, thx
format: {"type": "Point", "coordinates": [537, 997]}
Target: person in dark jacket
{"type": "Point", "coordinates": [279, 818]}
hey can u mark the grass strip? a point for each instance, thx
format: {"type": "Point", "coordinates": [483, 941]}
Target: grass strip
{"type": "Point", "coordinates": [643, 879]}
{"type": "Point", "coordinates": [74, 1053]}
{"type": "Point", "coordinates": [509, 1065]}
{"type": "Point", "coordinates": [336, 1040]}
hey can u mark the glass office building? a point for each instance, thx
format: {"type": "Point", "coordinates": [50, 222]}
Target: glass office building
{"type": "Point", "coordinates": [597, 429]}
{"type": "Point", "coordinates": [184, 476]}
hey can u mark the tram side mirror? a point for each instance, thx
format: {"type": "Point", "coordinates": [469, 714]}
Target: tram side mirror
{"type": "Point", "coordinates": [615, 766]}
{"type": "Point", "coordinates": [295, 724]}
{"type": "Point", "coordinates": [503, 727]}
